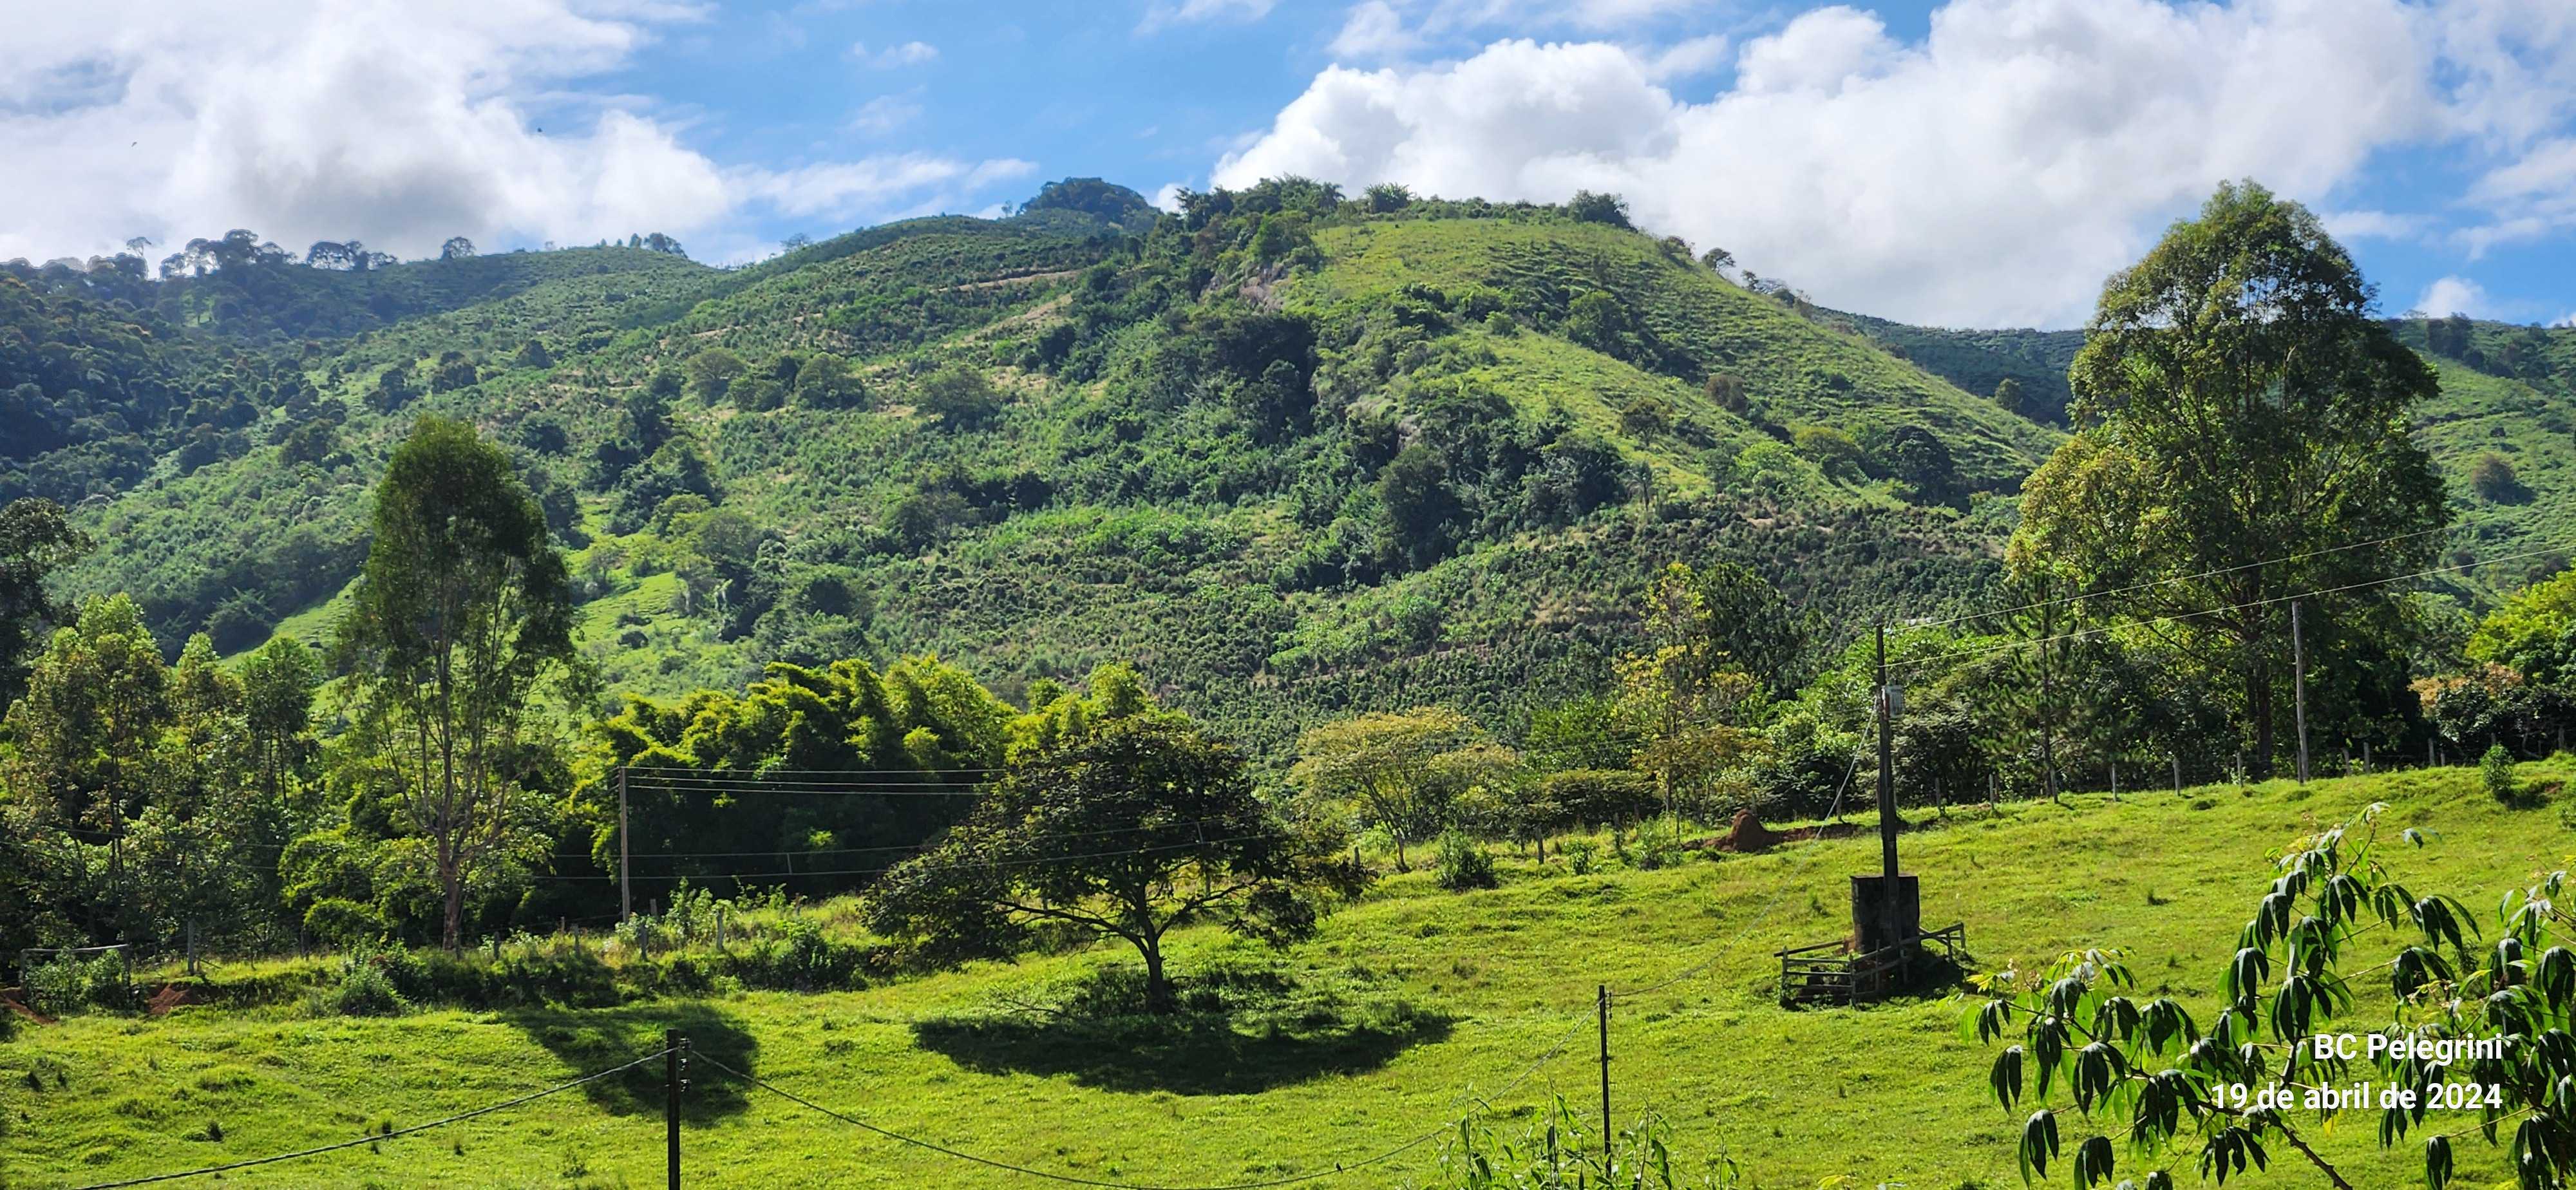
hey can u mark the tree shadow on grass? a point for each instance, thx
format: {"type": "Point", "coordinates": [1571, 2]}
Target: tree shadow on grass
{"type": "Point", "coordinates": [598, 1038]}
{"type": "Point", "coordinates": [1238, 1032]}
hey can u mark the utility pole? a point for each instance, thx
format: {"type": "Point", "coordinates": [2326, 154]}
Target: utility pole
{"type": "Point", "coordinates": [1886, 774]}
{"type": "Point", "coordinates": [2299, 687]}
{"type": "Point", "coordinates": [674, 1046]}
{"type": "Point", "coordinates": [1606, 1157]}
{"type": "Point", "coordinates": [2047, 705]}
{"type": "Point", "coordinates": [625, 872]}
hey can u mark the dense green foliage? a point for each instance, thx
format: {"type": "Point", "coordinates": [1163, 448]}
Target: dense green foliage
{"type": "Point", "coordinates": [2269, 423]}
{"type": "Point", "coordinates": [1613, 525]}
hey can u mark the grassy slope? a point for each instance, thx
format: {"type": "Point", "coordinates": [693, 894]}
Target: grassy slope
{"type": "Point", "coordinates": [1887, 1092]}
{"type": "Point", "coordinates": [2535, 430]}
{"type": "Point", "coordinates": [1789, 364]}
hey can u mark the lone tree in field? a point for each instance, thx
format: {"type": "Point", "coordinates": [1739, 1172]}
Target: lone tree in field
{"type": "Point", "coordinates": [2237, 401]}
{"type": "Point", "coordinates": [462, 610]}
{"type": "Point", "coordinates": [1129, 831]}
{"type": "Point", "coordinates": [2091, 1058]}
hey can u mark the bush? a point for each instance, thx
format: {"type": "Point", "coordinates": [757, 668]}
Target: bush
{"type": "Point", "coordinates": [1582, 856]}
{"type": "Point", "coordinates": [2496, 769]}
{"type": "Point", "coordinates": [1464, 864]}
{"type": "Point", "coordinates": [369, 983]}
{"type": "Point", "coordinates": [68, 983]}
{"type": "Point", "coordinates": [1589, 207]}
{"type": "Point", "coordinates": [1591, 797]}
{"type": "Point", "coordinates": [341, 922]}
{"type": "Point", "coordinates": [2493, 477]}
{"type": "Point", "coordinates": [802, 961]}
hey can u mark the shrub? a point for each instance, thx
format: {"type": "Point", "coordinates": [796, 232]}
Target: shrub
{"type": "Point", "coordinates": [803, 960]}
{"type": "Point", "coordinates": [1589, 207]}
{"type": "Point", "coordinates": [369, 983]}
{"type": "Point", "coordinates": [2493, 477]}
{"type": "Point", "coordinates": [2496, 769]}
{"type": "Point", "coordinates": [68, 983]}
{"type": "Point", "coordinates": [1589, 797]}
{"type": "Point", "coordinates": [1464, 864]}
{"type": "Point", "coordinates": [1582, 856]}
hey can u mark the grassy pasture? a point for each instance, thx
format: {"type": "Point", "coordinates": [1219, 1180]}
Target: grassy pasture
{"type": "Point", "coordinates": [1409, 1006]}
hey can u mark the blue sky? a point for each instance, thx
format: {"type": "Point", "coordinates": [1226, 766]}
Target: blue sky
{"type": "Point", "coordinates": [1970, 162]}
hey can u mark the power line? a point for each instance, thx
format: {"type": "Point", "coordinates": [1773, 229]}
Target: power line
{"type": "Point", "coordinates": [2087, 633]}
{"type": "Point", "coordinates": [2183, 578]}
{"type": "Point", "coordinates": [400, 1132]}
{"type": "Point", "coordinates": [915, 847]}
{"type": "Point", "coordinates": [763, 773]}
{"type": "Point", "coordinates": [1033, 861]}
{"type": "Point", "coordinates": [817, 789]}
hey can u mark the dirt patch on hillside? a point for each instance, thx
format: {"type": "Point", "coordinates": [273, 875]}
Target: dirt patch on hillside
{"type": "Point", "coordinates": [171, 996]}
{"type": "Point", "coordinates": [1746, 835]}
{"type": "Point", "coordinates": [9, 1003]}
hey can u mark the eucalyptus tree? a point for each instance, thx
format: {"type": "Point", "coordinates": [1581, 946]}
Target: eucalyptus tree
{"type": "Point", "coordinates": [462, 611]}
{"type": "Point", "coordinates": [2237, 401]}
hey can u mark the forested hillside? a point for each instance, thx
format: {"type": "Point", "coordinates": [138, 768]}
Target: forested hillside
{"type": "Point", "coordinates": [1286, 452]}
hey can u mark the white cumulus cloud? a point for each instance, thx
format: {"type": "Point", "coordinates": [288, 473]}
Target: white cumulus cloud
{"type": "Point", "coordinates": [2454, 295]}
{"type": "Point", "coordinates": [1992, 172]}
{"type": "Point", "coordinates": [397, 123]}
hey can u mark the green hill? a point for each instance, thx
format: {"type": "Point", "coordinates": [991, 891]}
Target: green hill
{"type": "Point", "coordinates": [1407, 1010]}
{"type": "Point", "coordinates": [1187, 465]}
{"type": "Point", "coordinates": [1289, 455]}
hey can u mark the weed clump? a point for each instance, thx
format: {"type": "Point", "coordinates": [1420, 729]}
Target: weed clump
{"type": "Point", "coordinates": [370, 983]}
{"type": "Point", "coordinates": [1464, 864]}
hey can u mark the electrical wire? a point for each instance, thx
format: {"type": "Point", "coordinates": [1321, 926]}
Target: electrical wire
{"type": "Point", "coordinates": [1034, 861]}
{"type": "Point", "coordinates": [397, 1133]}
{"type": "Point", "coordinates": [2181, 578]}
{"type": "Point", "coordinates": [829, 773]}
{"type": "Point", "coordinates": [914, 847]}
{"type": "Point", "coordinates": [2088, 633]}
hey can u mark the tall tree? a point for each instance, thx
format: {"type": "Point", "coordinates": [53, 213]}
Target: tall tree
{"type": "Point", "coordinates": [1678, 695]}
{"type": "Point", "coordinates": [1398, 771]}
{"type": "Point", "coordinates": [462, 609]}
{"type": "Point", "coordinates": [2237, 402]}
{"type": "Point", "coordinates": [1130, 832]}
{"type": "Point", "coordinates": [35, 541]}
{"type": "Point", "coordinates": [87, 734]}
{"type": "Point", "coordinates": [278, 684]}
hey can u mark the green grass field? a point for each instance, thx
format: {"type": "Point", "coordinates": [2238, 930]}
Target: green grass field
{"type": "Point", "coordinates": [1408, 1007]}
